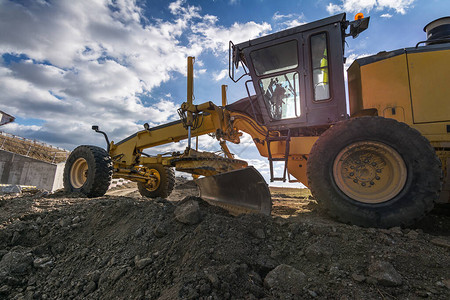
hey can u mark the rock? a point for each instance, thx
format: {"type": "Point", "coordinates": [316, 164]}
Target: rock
{"type": "Point", "coordinates": [321, 230]}
{"type": "Point", "coordinates": [15, 238]}
{"type": "Point", "coordinates": [139, 232]}
{"type": "Point", "coordinates": [285, 278]}
{"type": "Point", "coordinates": [371, 230]}
{"type": "Point", "coordinates": [317, 252]}
{"type": "Point", "coordinates": [205, 288]}
{"type": "Point", "coordinates": [89, 287]}
{"type": "Point", "coordinates": [254, 277]}
{"type": "Point", "coordinates": [43, 262]}
{"type": "Point", "coordinates": [44, 230]}
{"type": "Point", "coordinates": [160, 230]}
{"type": "Point", "coordinates": [412, 234]}
{"type": "Point", "coordinates": [312, 293]}
{"type": "Point", "coordinates": [423, 294]}
{"type": "Point", "coordinates": [396, 231]}
{"type": "Point", "coordinates": [5, 290]}
{"type": "Point", "coordinates": [259, 233]}
{"type": "Point", "coordinates": [103, 278]}
{"type": "Point", "coordinates": [358, 278]}
{"type": "Point", "coordinates": [16, 263]}
{"type": "Point", "coordinates": [65, 222]}
{"type": "Point", "coordinates": [142, 263]}
{"type": "Point", "coordinates": [58, 248]}
{"type": "Point", "coordinates": [116, 274]}
{"type": "Point", "coordinates": [188, 213]}
{"type": "Point", "coordinates": [384, 273]}
{"type": "Point", "coordinates": [265, 263]}
{"type": "Point", "coordinates": [446, 282]}
{"type": "Point", "coordinates": [441, 241]}
{"type": "Point", "coordinates": [212, 277]}
{"type": "Point", "coordinates": [94, 276]}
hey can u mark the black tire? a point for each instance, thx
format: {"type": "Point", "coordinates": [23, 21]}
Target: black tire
{"type": "Point", "coordinates": [334, 172]}
{"type": "Point", "coordinates": [165, 185]}
{"type": "Point", "coordinates": [88, 170]}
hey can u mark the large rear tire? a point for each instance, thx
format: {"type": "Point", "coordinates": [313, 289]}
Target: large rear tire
{"type": "Point", "coordinates": [374, 172]}
{"type": "Point", "coordinates": [88, 170]}
{"type": "Point", "coordinates": [161, 184]}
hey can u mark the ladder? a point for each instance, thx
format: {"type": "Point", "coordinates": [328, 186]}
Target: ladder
{"type": "Point", "coordinates": [285, 158]}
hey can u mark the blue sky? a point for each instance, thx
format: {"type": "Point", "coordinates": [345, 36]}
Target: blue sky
{"type": "Point", "coordinates": [65, 65]}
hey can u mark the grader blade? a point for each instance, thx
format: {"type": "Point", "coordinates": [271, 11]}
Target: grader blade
{"type": "Point", "coordinates": [239, 191]}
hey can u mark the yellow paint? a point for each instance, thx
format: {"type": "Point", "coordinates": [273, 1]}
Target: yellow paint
{"type": "Point", "coordinates": [297, 168]}
{"type": "Point", "coordinates": [385, 86]}
{"type": "Point", "coordinates": [429, 74]}
{"type": "Point", "coordinates": [412, 88]}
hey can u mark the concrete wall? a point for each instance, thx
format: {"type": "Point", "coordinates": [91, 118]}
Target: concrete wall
{"type": "Point", "coordinates": [22, 170]}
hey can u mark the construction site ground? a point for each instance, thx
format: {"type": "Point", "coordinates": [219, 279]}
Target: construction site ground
{"type": "Point", "coordinates": [124, 246]}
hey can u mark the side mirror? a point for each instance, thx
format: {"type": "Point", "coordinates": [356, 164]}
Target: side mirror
{"type": "Point", "coordinates": [358, 26]}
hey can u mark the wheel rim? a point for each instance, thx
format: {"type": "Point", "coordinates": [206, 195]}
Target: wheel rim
{"type": "Point", "coordinates": [370, 172]}
{"type": "Point", "coordinates": [154, 182]}
{"type": "Point", "coordinates": [79, 173]}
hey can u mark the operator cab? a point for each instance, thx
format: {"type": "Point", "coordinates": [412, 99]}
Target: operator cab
{"type": "Point", "coordinates": [297, 74]}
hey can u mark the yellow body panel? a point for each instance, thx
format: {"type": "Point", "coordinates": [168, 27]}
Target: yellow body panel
{"type": "Point", "coordinates": [429, 74]}
{"type": "Point", "coordinates": [385, 86]}
{"type": "Point", "coordinates": [412, 87]}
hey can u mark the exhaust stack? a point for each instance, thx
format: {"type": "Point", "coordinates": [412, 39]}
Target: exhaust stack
{"type": "Point", "coordinates": [438, 31]}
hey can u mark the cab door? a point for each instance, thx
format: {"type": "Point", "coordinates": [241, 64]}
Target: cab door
{"type": "Point", "coordinates": [277, 72]}
{"type": "Point", "coordinates": [324, 76]}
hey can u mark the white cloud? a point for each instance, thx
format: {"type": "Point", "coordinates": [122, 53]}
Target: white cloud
{"type": "Point", "coordinates": [400, 6]}
{"type": "Point", "coordinates": [91, 61]}
{"type": "Point", "coordinates": [353, 6]}
{"type": "Point", "coordinates": [386, 16]}
{"type": "Point", "coordinates": [293, 23]}
{"type": "Point", "coordinates": [216, 37]}
{"type": "Point", "coordinates": [277, 16]}
{"type": "Point", "coordinates": [287, 21]}
{"type": "Point", "coordinates": [334, 9]}
{"type": "Point", "coordinates": [221, 75]}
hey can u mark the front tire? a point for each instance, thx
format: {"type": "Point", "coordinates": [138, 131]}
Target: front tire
{"type": "Point", "coordinates": [161, 184]}
{"type": "Point", "coordinates": [374, 172]}
{"type": "Point", "coordinates": [88, 170]}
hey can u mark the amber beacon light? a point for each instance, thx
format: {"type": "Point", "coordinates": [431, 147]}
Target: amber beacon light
{"type": "Point", "coordinates": [359, 16]}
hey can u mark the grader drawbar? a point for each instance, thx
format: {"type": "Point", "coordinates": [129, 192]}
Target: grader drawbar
{"type": "Point", "coordinates": [384, 165]}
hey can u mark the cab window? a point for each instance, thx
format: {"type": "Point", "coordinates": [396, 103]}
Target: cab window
{"type": "Point", "coordinates": [281, 95]}
{"type": "Point", "coordinates": [320, 70]}
{"type": "Point", "coordinates": [277, 58]}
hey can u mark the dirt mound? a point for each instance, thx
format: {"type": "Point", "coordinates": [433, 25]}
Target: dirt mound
{"type": "Point", "coordinates": [115, 247]}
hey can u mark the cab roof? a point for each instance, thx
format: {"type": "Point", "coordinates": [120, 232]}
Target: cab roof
{"type": "Point", "coordinates": [293, 30]}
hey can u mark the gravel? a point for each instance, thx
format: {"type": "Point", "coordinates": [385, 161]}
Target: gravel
{"type": "Point", "coordinates": [128, 247]}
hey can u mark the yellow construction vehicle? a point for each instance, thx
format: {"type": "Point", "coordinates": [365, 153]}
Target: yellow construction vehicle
{"type": "Point", "coordinates": [378, 162]}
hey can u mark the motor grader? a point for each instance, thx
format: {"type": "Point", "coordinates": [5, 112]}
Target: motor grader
{"type": "Point", "coordinates": [378, 161]}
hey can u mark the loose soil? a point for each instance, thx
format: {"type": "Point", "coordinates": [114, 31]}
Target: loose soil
{"type": "Point", "coordinates": [124, 246]}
